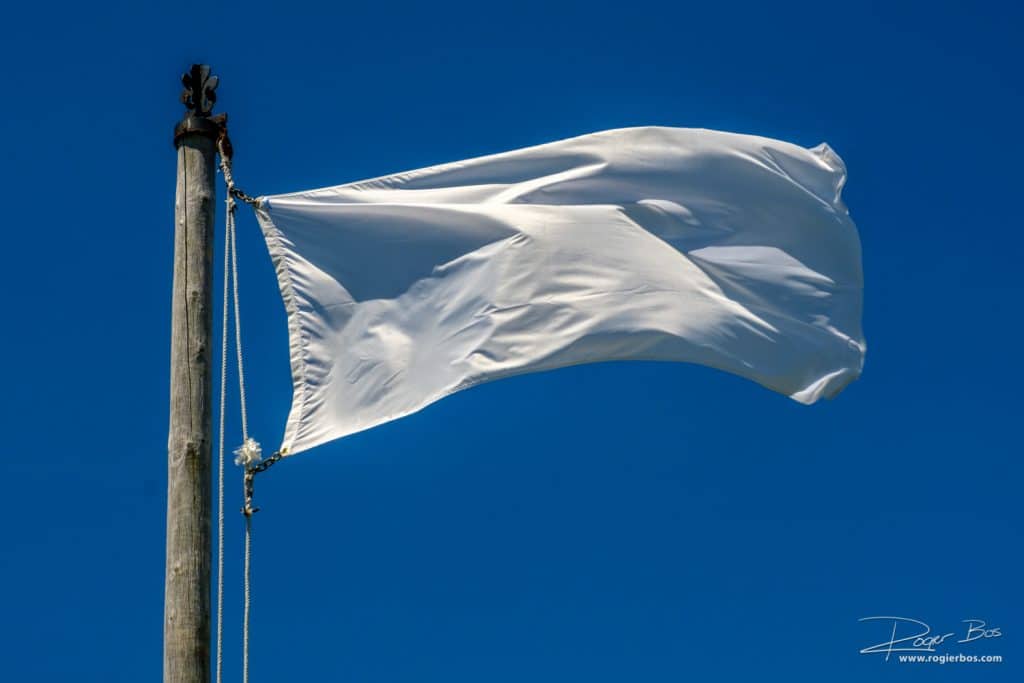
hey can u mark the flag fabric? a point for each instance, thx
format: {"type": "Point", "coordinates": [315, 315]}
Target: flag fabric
{"type": "Point", "coordinates": [731, 251]}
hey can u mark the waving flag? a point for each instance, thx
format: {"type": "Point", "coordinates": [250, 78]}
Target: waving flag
{"type": "Point", "coordinates": [732, 251]}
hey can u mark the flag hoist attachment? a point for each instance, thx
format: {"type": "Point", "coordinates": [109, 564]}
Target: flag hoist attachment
{"type": "Point", "coordinates": [249, 455]}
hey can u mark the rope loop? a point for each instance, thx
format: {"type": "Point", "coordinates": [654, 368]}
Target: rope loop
{"type": "Point", "coordinates": [248, 455]}
{"type": "Point", "coordinates": [226, 153]}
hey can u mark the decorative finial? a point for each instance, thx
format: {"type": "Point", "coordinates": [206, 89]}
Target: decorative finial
{"type": "Point", "coordinates": [198, 95]}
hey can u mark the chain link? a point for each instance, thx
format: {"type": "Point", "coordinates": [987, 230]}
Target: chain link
{"type": "Point", "coordinates": [250, 481]}
{"type": "Point", "coordinates": [235, 192]}
{"type": "Point", "coordinates": [265, 464]}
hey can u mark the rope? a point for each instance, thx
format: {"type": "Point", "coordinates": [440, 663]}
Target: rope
{"type": "Point", "coordinates": [248, 455]}
{"type": "Point", "coordinates": [233, 255]}
{"type": "Point", "coordinates": [245, 591]}
{"type": "Point", "coordinates": [225, 150]}
{"type": "Point", "coordinates": [220, 460]}
{"type": "Point", "coordinates": [238, 320]}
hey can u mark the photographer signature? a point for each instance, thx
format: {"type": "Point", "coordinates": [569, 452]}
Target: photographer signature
{"type": "Point", "coordinates": [922, 639]}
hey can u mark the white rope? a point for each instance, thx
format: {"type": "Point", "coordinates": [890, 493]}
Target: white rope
{"type": "Point", "coordinates": [230, 284]}
{"type": "Point", "coordinates": [248, 455]}
{"type": "Point", "coordinates": [246, 448]}
{"type": "Point", "coordinates": [220, 457]}
{"type": "Point", "coordinates": [245, 591]}
{"type": "Point", "coordinates": [238, 319]}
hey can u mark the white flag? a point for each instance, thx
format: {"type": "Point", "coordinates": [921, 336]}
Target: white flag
{"type": "Point", "coordinates": [731, 251]}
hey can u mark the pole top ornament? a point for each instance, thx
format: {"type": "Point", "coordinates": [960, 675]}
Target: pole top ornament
{"type": "Point", "coordinates": [199, 96]}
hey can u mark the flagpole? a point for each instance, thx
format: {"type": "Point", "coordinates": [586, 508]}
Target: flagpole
{"type": "Point", "coordinates": [187, 571]}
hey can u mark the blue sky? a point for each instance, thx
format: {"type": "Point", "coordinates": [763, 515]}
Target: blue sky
{"type": "Point", "coordinates": [619, 522]}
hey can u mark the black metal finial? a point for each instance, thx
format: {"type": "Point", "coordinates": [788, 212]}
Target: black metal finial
{"type": "Point", "coordinates": [198, 95]}
{"type": "Point", "coordinates": [198, 98]}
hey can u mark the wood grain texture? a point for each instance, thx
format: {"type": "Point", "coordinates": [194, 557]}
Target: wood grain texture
{"type": "Point", "coordinates": [187, 582]}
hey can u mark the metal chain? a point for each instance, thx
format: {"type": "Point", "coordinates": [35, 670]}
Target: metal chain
{"type": "Point", "coordinates": [250, 480]}
{"type": "Point", "coordinates": [265, 465]}
{"type": "Point", "coordinates": [235, 192]}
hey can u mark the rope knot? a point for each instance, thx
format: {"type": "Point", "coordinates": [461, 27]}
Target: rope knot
{"type": "Point", "coordinates": [249, 453]}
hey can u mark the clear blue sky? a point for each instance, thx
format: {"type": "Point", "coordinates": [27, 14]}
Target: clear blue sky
{"type": "Point", "coordinates": [620, 522]}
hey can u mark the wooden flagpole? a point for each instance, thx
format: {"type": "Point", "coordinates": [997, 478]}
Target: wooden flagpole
{"type": "Point", "coordinates": [187, 576]}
